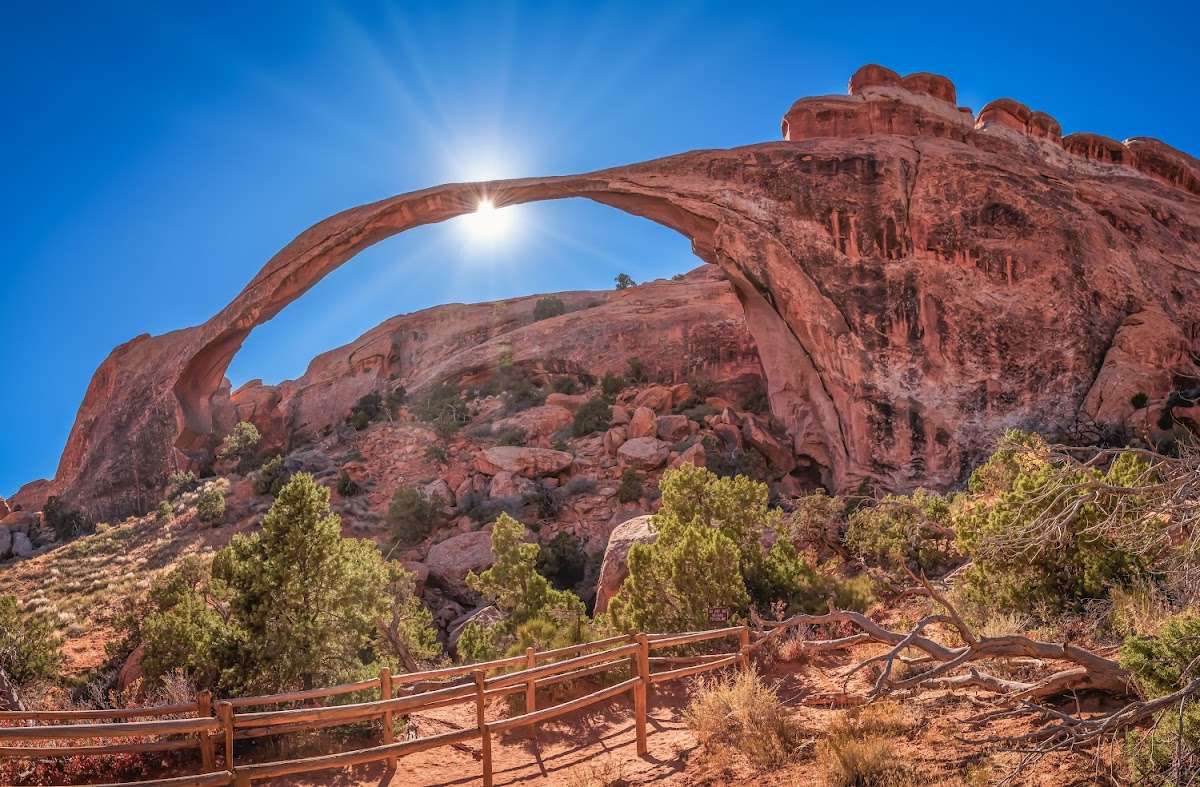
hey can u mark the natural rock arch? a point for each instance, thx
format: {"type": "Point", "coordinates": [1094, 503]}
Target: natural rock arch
{"type": "Point", "coordinates": [915, 279]}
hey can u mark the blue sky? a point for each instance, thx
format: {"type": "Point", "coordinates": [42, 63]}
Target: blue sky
{"type": "Point", "coordinates": [155, 155]}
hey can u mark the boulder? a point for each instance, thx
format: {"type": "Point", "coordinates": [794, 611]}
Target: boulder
{"type": "Point", "coordinates": [522, 460]}
{"type": "Point", "coordinates": [681, 393]}
{"type": "Point", "coordinates": [693, 455]}
{"type": "Point", "coordinates": [644, 453]}
{"type": "Point", "coordinates": [614, 438]}
{"type": "Point", "coordinates": [656, 397]}
{"type": "Point", "coordinates": [571, 402]}
{"type": "Point", "coordinates": [620, 415]}
{"type": "Point", "coordinates": [730, 435]}
{"type": "Point", "coordinates": [536, 422]}
{"type": "Point", "coordinates": [615, 568]}
{"type": "Point", "coordinates": [779, 455]}
{"type": "Point", "coordinates": [642, 423]}
{"type": "Point", "coordinates": [131, 670]}
{"type": "Point", "coordinates": [5, 542]}
{"type": "Point", "coordinates": [451, 560]}
{"type": "Point", "coordinates": [5, 510]}
{"type": "Point", "coordinates": [506, 484]}
{"type": "Point", "coordinates": [21, 545]}
{"type": "Point", "coordinates": [673, 428]}
{"type": "Point", "coordinates": [439, 489]}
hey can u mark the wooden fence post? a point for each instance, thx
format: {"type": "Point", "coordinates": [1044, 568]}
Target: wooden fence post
{"type": "Point", "coordinates": [744, 648]}
{"type": "Point", "coordinates": [485, 735]}
{"type": "Point", "coordinates": [204, 710]}
{"type": "Point", "coordinates": [225, 714]}
{"type": "Point", "coordinates": [530, 685]}
{"type": "Point", "coordinates": [385, 693]}
{"type": "Point", "coordinates": [641, 692]}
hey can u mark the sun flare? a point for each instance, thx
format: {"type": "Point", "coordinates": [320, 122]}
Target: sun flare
{"type": "Point", "coordinates": [488, 222]}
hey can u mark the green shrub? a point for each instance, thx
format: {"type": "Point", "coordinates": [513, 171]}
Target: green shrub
{"type": "Point", "coordinates": [66, 522]}
{"type": "Point", "coordinates": [1052, 570]}
{"type": "Point", "coordinates": [630, 488]}
{"type": "Point", "coordinates": [636, 371]}
{"type": "Point", "coordinates": [293, 606]}
{"type": "Point", "coordinates": [905, 531]}
{"type": "Point", "coordinates": [624, 281]}
{"type": "Point", "coordinates": [510, 435]}
{"type": "Point", "coordinates": [482, 641]}
{"type": "Point", "coordinates": [347, 486]}
{"type": "Point", "coordinates": [241, 443]}
{"type": "Point", "coordinates": [443, 408]}
{"type": "Point", "coordinates": [210, 505]}
{"type": "Point", "coordinates": [563, 561]}
{"type": "Point", "coordinates": [817, 519]}
{"type": "Point", "coordinates": [565, 384]}
{"type": "Point", "coordinates": [436, 452]}
{"type": "Point", "coordinates": [368, 408]}
{"type": "Point", "coordinates": [413, 516]}
{"type": "Point", "coordinates": [548, 307]}
{"type": "Point", "coordinates": [513, 583]}
{"type": "Point", "coordinates": [594, 415]}
{"type": "Point", "coordinates": [788, 580]}
{"type": "Point", "coordinates": [1139, 400]}
{"type": "Point", "coordinates": [271, 477]}
{"type": "Point", "coordinates": [611, 385]}
{"type": "Point", "coordinates": [1161, 665]}
{"type": "Point", "coordinates": [757, 401]}
{"type": "Point", "coordinates": [165, 513]}
{"type": "Point", "coordinates": [180, 482]}
{"type": "Point", "coordinates": [29, 646]}
{"type": "Point", "coordinates": [740, 713]}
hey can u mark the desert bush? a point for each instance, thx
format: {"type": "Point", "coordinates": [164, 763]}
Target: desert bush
{"type": "Point", "coordinates": [630, 488]}
{"type": "Point", "coordinates": [611, 385]}
{"type": "Point", "coordinates": [1139, 400]}
{"type": "Point", "coordinates": [565, 384]}
{"type": "Point", "coordinates": [548, 307]}
{"type": "Point", "coordinates": [181, 482]}
{"type": "Point", "coordinates": [857, 752]}
{"type": "Point", "coordinates": [413, 516]}
{"type": "Point", "coordinates": [636, 371]}
{"type": "Point", "coordinates": [66, 522]}
{"type": "Point", "coordinates": [905, 531]}
{"type": "Point", "coordinates": [436, 452]}
{"type": "Point", "coordinates": [510, 435]}
{"type": "Point", "coordinates": [347, 486]}
{"type": "Point", "coordinates": [29, 644]}
{"type": "Point", "coordinates": [1054, 570]}
{"type": "Point", "coordinates": [443, 408]}
{"type": "Point", "coordinates": [271, 477]}
{"type": "Point", "coordinates": [699, 412]}
{"type": "Point", "coordinates": [516, 385]}
{"type": "Point", "coordinates": [594, 415]}
{"type": "Point", "coordinates": [240, 444]}
{"type": "Point", "coordinates": [1161, 665]}
{"type": "Point", "coordinates": [513, 583]}
{"type": "Point", "coordinates": [756, 401]}
{"type": "Point", "coordinates": [295, 605]}
{"type": "Point", "coordinates": [579, 485]}
{"type": "Point", "coordinates": [817, 519]}
{"type": "Point", "coordinates": [786, 579]}
{"type": "Point", "coordinates": [741, 713]}
{"type": "Point", "coordinates": [624, 281]}
{"type": "Point", "coordinates": [563, 561]}
{"type": "Point", "coordinates": [483, 641]}
{"type": "Point", "coordinates": [210, 505]}
{"type": "Point", "coordinates": [730, 462]}
{"type": "Point", "coordinates": [165, 513]}
{"type": "Point", "coordinates": [482, 508]}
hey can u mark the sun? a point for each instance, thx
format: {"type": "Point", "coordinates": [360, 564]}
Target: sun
{"type": "Point", "coordinates": [488, 223]}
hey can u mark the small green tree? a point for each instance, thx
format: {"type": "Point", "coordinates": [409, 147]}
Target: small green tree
{"type": "Point", "coordinates": [905, 531]}
{"type": "Point", "coordinates": [630, 488]}
{"type": "Point", "coordinates": [210, 505]}
{"type": "Point", "coordinates": [611, 385]}
{"type": "Point", "coordinates": [594, 415]}
{"type": "Point", "coordinates": [443, 408]}
{"type": "Point", "coordinates": [413, 516]}
{"type": "Point", "coordinates": [165, 513]}
{"type": "Point", "coordinates": [271, 477]}
{"type": "Point", "coordinates": [548, 307]}
{"type": "Point", "coordinates": [624, 281]}
{"type": "Point", "coordinates": [29, 646]}
{"type": "Point", "coordinates": [180, 482]}
{"type": "Point", "coordinates": [241, 443]}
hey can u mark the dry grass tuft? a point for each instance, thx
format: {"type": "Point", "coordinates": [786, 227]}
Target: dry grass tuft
{"type": "Point", "coordinates": [857, 751]}
{"type": "Point", "coordinates": [741, 713]}
{"type": "Point", "coordinates": [608, 773]}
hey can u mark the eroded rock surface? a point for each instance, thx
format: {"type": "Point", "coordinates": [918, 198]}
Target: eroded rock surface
{"type": "Point", "coordinates": [916, 279]}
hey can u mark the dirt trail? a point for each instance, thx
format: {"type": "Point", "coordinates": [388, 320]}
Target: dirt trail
{"type": "Point", "coordinates": [595, 744]}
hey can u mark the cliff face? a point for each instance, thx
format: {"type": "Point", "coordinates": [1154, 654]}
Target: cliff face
{"type": "Point", "coordinates": [681, 330]}
{"type": "Point", "coordinates": [916, 278]}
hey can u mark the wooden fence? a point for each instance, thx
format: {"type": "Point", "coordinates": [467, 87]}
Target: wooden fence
{"type": "Point", "coordinates": [211, 727]}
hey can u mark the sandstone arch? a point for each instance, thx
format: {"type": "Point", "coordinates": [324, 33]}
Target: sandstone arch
{"type": "Point", "coordinates": [915, 283]}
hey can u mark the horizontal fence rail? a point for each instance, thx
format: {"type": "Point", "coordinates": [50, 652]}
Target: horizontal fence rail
{"type": "Point", "coordinates": [209, 727]}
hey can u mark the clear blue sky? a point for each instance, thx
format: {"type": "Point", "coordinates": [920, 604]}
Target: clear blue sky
{"type": "Point", "coordinates": [155, 158]}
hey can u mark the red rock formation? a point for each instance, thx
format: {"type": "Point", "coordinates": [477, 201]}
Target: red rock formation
{"type": "Point", "coordinates": [915, 282]}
